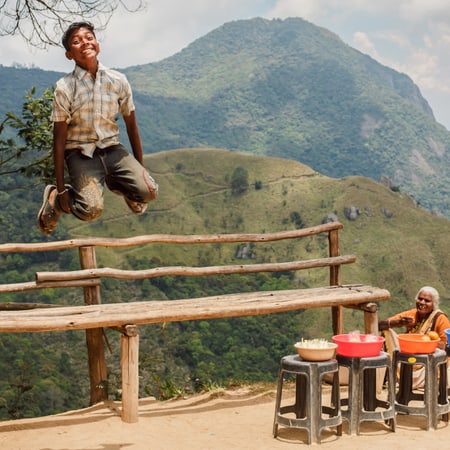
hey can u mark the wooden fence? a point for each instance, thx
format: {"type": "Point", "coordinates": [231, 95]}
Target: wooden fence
{"type": "Point", "coordinates": [125, 317]}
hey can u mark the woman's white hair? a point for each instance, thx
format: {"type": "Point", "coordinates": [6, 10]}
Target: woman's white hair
{"type": "Point", "coordinates": [434, 295]}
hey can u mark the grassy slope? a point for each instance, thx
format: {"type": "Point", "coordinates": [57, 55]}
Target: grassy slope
{"type": "Point", "coordinates": [400, 253]}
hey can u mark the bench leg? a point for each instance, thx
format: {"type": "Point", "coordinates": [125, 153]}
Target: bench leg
{"type": "Point", "coordinates": [371, 318]}
{"type": "Point", "coordinates": [130, 375]}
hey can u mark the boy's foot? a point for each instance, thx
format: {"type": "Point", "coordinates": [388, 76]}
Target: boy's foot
{"type": "Point", "coordinates": [48, 215]}
{"type": "Point", "coordinates": [138, 208]}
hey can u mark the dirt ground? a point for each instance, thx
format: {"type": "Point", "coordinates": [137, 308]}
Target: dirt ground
{"type": "Point", "coordinates": [221, 420]}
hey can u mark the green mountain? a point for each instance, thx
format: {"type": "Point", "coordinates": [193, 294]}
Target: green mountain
{"type": "Point", "coordinates": [290, 89]}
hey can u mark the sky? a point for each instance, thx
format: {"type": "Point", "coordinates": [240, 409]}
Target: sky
{"type": "Point", "coordinates": [410, 36]}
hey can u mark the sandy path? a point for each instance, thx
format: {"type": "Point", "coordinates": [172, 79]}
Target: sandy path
{"type": "Point", "coordinates": [231, 419]}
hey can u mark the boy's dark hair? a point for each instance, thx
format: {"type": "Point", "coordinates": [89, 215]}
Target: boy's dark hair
{"type": "Point", "coordinates": [72, 28]}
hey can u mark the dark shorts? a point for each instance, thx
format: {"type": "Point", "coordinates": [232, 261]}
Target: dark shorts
{"type": "Point", "coordinates": [114, 166]}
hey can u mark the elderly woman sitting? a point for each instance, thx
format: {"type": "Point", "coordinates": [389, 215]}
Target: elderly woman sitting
{"type": "Point", "coordinates": [425, 317]}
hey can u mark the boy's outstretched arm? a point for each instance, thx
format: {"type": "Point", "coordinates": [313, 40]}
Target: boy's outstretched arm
{"type": "Point", "coordinates": [134, 136]}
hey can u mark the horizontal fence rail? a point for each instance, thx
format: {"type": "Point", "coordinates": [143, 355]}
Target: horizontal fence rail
{"type": "Point", "coordinates": [168, 239]}
{"type": "Point", "coordinates": [191, 271]}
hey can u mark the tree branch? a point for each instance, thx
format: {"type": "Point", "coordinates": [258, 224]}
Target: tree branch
{"type": "Point", "coordinates": [41, 23]}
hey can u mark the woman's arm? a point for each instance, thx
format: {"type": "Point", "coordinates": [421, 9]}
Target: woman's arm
{"type": "Point", "coordinates": [399, 320]}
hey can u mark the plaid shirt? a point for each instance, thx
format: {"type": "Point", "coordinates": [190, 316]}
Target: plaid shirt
{"type": "Point", "coordinates": [90, 107]}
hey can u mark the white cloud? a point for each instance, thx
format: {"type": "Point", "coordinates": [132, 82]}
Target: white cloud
{"type": "Point", "coordinates": [362, 42]}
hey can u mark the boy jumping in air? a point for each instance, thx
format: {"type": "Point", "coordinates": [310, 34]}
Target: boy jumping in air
{"type": "Point", "coordinates": [85, 138]}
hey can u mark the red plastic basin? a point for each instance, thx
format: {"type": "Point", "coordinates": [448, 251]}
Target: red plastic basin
{"type": "Point", "coordinates": [358, 345]}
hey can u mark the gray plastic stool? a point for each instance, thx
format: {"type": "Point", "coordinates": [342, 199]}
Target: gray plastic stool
{"type": "Point", "coordinates": [308, 407]}
{"type": "Point", "coordinates": [362, 401]}
{"type": "Point", "coordinates": [434, 399]}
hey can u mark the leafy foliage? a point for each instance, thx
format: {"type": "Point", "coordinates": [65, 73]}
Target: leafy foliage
{"type": "Point", "coordinates": [32, 155]}
{"type": "Point", "coordinates": [239, 181]}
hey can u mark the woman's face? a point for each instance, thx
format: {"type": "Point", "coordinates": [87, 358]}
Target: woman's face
{"type": "Point", "coordinates": [424, 303]}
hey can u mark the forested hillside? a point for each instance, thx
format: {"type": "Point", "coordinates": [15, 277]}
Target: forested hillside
{"type": "Point", "coordinates": [17, 81]}
{"type": "Point", "coordinates": [201, 193]}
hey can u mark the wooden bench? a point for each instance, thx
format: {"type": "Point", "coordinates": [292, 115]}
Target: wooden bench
{"type": "Point", "coordinates": [125, 317]}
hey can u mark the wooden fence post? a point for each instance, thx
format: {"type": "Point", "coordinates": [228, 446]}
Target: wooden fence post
{"type": "Point", "coordinates": [94, 337]}
{"type": "Point", "coordinates": [335, 280]}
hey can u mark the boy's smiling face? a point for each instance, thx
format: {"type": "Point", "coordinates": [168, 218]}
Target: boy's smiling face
{"type": "Point", "coordinates": [84, 47]}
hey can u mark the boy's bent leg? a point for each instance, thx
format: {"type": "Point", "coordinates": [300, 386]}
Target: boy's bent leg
{"type": "Point", "coordinates": [50, 211]}
{"type": "Point", "coordinates": [151, 191]}
{"type": "Point", "coordinates": [87, 200]}
{"type": "Point", "coordinates": [86, 178]}
{"type": "Point", "coordinates": [127, 177]}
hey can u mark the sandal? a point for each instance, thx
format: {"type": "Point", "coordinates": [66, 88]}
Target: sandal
{"type": "Point", "coordinates": [138, 208]}
{"type": "Point", "coordinates": [48, 216]}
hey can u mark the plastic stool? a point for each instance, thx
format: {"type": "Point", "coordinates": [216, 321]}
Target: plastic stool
{"type": "Point", "coordinates": [308, 407]}
{"type": "Point", "coordinates": [362, 401]}
{"type": "Point", "coordinates": [434, 398]}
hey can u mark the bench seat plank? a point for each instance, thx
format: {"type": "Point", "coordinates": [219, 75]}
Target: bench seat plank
{"type": "Point", "coordinates": [158, 311]}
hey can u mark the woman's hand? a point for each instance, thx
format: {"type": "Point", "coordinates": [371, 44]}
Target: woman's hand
{"type": "Point", "coordinates": [404, 321]}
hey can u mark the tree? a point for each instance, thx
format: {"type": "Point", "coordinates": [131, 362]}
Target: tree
{"type": "Point", "coordinates": [239, 181]}
{"type": "Point", "coordinates": [32, 155]}
{"type": "Point", "coordinates": [42, 23]}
